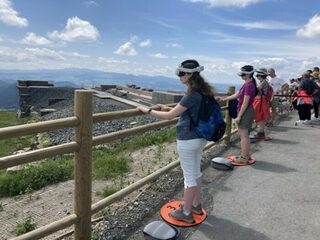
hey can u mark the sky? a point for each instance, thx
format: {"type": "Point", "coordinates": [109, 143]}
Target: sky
{"type": "Point", "coordinates": [151, 37]}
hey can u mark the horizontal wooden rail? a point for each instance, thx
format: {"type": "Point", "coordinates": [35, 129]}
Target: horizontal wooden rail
{"type": "Point", "coordinates": [32, 128]}
{"type": "Point", "coordinates": [132, 131]}
{"type": "Point", "coordinates": [131, 188]}
{"type": "Point", "coordinates": [32, 156]}
{"type": "Point", "coordinates": [108, 116]}
{"type": "Point", "coordinates": [49, 229]}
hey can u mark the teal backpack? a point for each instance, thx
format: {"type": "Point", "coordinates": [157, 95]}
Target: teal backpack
{"type": "Point", "coordinates": [210, 124]}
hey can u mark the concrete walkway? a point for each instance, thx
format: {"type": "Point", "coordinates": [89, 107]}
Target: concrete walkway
{"type": "Point", "coordinates": [277, 198]}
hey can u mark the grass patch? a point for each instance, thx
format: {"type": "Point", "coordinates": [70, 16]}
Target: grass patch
{"type": "Point", "coordinates": [107, 191]}
{"type": "Point", "coordinates": [35, 177]}
{"type": "Point", "coordinates": [27, 226]}
{"type": "Point", "coordinates": [10, 145]}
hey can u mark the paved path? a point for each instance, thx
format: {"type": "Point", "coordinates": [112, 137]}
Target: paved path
{"type": "Point", "coordinates": [277, 198]}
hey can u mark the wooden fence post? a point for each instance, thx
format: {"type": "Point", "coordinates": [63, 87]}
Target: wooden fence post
{"type": "Point", "coordinates": [231, 90]}
{"type": "Point", "coordinates": [83, 164]}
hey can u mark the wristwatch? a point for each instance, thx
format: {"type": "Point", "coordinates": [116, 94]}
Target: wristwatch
{"type": "Point", "coordinates": [149, 111]}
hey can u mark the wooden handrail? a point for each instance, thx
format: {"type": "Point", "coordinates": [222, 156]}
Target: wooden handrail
{"type": "Point", "coordinates": [32, 156]}
{"type": "Point", "coordinates": [32, 128]}
{"type": "Point", "coordinates": [129, 132]}
{"type": "Point", "coordinates": [108, 116]}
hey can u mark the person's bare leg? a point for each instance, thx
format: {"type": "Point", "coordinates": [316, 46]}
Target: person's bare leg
{"type": "Point", "coordinates": [244, 142]}
{"type": "Point", "coordinates": [197, 197]}
{"type": "Point", "coordinates": [188, 197]}
{"type": "Point", "coordinates": [261, 126]}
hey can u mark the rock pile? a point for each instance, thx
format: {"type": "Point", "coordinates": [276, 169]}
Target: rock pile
{"type": "Point", "coordinates": [65, 109]}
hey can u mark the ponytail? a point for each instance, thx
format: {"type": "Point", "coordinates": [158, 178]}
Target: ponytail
{"type": "Point", "coordinates": [255, 85]}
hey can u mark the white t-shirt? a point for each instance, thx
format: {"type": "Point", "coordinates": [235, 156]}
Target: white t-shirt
{"type": "Point", "coordinates": [276, 83]}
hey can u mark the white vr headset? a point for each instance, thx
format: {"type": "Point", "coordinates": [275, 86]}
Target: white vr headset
{"type": "Point", "coordinates": [246, 72]}
{"type": "Point", "coordinates": [180, 68]}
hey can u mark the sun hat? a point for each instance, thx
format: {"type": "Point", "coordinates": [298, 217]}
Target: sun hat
{"type": "Point", "coordinates": [247, 69]}
{"type": "Point", "coordinates": [262, 72]}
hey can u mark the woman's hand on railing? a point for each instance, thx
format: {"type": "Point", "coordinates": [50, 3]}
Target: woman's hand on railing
{"type": "Point", "coordinates": [164, 108]}
{"type": "Point", "coordinates": [143, 109]}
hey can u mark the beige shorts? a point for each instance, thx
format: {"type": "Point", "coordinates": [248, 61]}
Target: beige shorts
{"type": "Point", "coordinates": [247, 118]}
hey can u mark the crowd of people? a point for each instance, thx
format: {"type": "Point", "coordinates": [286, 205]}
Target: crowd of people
{"type": "Point", "coordinates": [259, 93]}
{"type": "Point", "coordinates": [306, 95]}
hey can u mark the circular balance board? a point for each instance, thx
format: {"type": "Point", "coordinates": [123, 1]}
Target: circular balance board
{"type": "Point", "coordinates": [250, 161]}
{"type": "Point", "coordinates": [170, 206]}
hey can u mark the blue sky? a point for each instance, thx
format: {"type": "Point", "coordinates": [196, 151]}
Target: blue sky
{"type": "Point", "coordinates": [152, 37]}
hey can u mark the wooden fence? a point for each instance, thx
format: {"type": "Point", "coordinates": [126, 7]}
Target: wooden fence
{"type": "Point", "coordinates": [83, 121]}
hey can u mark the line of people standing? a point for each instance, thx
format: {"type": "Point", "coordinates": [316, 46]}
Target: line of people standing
{"type": "Point", "coordinates": [255, 98]}
{"type": "Point", "coordinates": [307, 95]}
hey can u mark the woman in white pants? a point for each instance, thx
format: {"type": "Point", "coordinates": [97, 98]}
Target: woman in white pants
{"type": "Point", "coordinates": [189, 144]}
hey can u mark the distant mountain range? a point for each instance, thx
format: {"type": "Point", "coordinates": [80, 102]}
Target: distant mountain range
{"type": "Point", "coordinates": [74, 77]}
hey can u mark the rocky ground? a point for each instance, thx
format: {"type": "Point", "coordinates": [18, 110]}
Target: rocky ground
{"type": "Point", "coordinates": [66, 109]}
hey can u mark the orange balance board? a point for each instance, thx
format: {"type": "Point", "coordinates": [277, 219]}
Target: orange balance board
{"type": "Point", "coordinates": [267, 138]}
{"type": "Point", "coordinates": [250, 161]}
{"type": "Point", "coordinates": [170, 206]}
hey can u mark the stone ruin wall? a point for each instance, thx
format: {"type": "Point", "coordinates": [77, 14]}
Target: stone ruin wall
{"type": "Point", "coordinates": [40, 95]}
{"type": "Point", "coordinates": [37, 95]}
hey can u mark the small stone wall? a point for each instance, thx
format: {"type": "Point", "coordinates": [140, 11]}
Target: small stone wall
{"type": "Point", "coordinates": [166, 97]}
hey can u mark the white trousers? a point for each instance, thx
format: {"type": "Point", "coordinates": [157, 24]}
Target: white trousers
{"type": "Point", "coordinates": [190, 154]}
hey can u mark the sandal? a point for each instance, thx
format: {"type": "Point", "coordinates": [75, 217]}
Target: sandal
{"type": "Point", "coordinates": [240, 159]}
{"type": "Point", "coordinates": [260, 136]}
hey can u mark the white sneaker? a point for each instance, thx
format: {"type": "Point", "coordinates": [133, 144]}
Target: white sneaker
{"type": "Point", "coordinates": [306, 122]}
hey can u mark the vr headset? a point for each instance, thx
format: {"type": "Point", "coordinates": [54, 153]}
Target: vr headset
{"type": "Point", "coordinates": [181, 71]}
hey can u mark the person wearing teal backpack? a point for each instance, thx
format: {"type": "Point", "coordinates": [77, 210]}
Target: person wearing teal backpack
{"type": "Point", "coordinates": [190, 145]}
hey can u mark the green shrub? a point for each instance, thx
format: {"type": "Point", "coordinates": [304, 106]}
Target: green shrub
{"type": "Point", "coordinates": [27, 226]}
{"type": "Point", "coordinates": [35, 177]}
{"type": "Point", "coordinates": [107, 191]}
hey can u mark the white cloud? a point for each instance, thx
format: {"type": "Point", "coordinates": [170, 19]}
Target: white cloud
{"type": "Point", "coordinates": [145, 43]}
{"type": "Point", "coordinates": [91, 4]}
{"type": "Point", "coordinates": [76, 30]}
{"type": "Point", "coordinates": [267, 25]}
{"type": "Point", "coordinates": [159, 55]}
{"type": "Point", "coordinates": [226, 3]}
{"type": "Point", "coordinates": [311, 29]}
{"type": "Point", "coordinates": [10, 16]}
{"type": "Point", "coordinates": [126, 49]}
{"type": "Point", "coordinates": [111, 61]}
{"type": "Point", "coordinates": [164, 23]}
{"type": "Point", "coordinates": [174, 45]}
{"type": "Point", "coordinates": [33, 39]}
{"type": "Point", "coordinates": [34, 56]}
{"type": "Point", "coordinates": [44, 53]}
{"type": "Point", "coordinates": [134, 39]}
